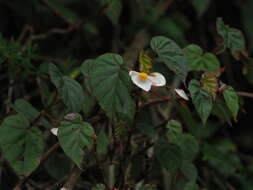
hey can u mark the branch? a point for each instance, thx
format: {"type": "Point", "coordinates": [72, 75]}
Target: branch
{"type": "Point", "coordinates": [245, 94]}
{"type": "Point", "coordinates": [54, 31]}
{"type": "Point", "coordinates": [69, 185]}
{"type": "Point", "coordinates": [42, 160]}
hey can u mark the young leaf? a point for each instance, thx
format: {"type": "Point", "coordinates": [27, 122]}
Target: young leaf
{"type": "Point", "coordinates": [175, 131]}
{"type": "Point", "coordinates": [74, 136]}
{"type": "Point", "coordinates": [21, 144]}
{"type": "Point", "coordinates": [210, 83]}
{"type": "Point", "coordinates": [171, 54]}
{"type": "Point", "coordinates": [169, 155]}
{"type": "Point", "coordinates": [202, 100]}
{"type": "Point", "coordinates": [111, 85]}
{"type": "Point", "coordinates": [231, 99]}
{"type": "Point", "coordinates": [199, 60]}
{"type": "Point", "coordinates": [145, 62]}
{"type": "Point", "coordinates": [233, 38]}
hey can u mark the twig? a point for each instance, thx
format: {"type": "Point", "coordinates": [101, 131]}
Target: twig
{"type": "Point", "coordinates": [9, 99]}
{"type": "Point", "coordinates": [160, 96]}
{"type": "Point", "coordinates": [245, 94]}
{"type": "Point", "coordinates": [69, 185]}
{"type": "Point", "coordinates": [49, 152]}
{"type": "Point", "coordinates": [53, 31]}
{"type": "Point", "coordinates": [42, 160]}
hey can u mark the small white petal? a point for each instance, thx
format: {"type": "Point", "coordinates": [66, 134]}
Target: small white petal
{"type": "Point", "coordinates": [157, 79]}
{"type": "Point", "coordinates": [54, 131]}
{"type": "Point", "coordinates": [181, 93]}
{"type": "Point", "coordinates": [143, 84]}
{"type": "Point", "coordinates": [133, 73]}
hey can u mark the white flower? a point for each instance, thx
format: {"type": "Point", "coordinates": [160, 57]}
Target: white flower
{"type": "Point", "coordinates": [54, 131]}
{"type": "Point", "coordinates": [181, 93]}
{"type": "Point", "coordinates": [145, 81]}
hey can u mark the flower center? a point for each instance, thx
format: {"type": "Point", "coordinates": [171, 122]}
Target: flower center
{"type": "Point", "coordinates": [143, 76]}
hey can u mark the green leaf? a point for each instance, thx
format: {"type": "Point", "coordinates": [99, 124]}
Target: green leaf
{"type": "Point", "coordinates": [221, 111]}
{"type": "Point", "coordinates": [69, 89]}
{"type": "Point", "coordinates": [226, 162]}
{"type": "Point", "coordinates": [102, 142]}
{"type": "Point", "coordinates": [89, 104]}
{"type": "Point", "coordinates": [233, 38]}
{"type": "Point", "coordinates": [113, 11]}
{"type": "Point", "coordinates": [86, 67]}
{"type": "Point", "coordinates": [202, 100]}
{"type": "Point", "coordinates": [128, 112]}
{"type": "Point", "coordinates": [72, 94]}
{"type": "Point", "coordinates": [191, 186]}
{"type": "Point", "coordinates": [175, 131]}
{"type": "Point", "coordinates": [21, 144]}
{"type": "Point", "coordinates": [55, 75]}
{"type": "Point", "coordinates": [200, 6]}
{"type": "Point", "coordinates": [74, 136]}
{"type": "Point", "coordinates": [111, 85]}
{"type": "Point", "coordinates": [171, 54]}
{"type": "Point", "coordinates": [31, 113]}
{"type": "Point", "coordinates": [67, 14]}
{"type": "Point", "coordinates": [200, 61]}
{"type": "Point", "coordinates": [98, 187]}
{"type": "Point", "coordinates": [190, 171]}
{"type": "Point", "coordinates": [168, 155]}
{"type": "Point", "coordinates": [231, 99]}
{"type": "Point", "coordinates": [189, 146]}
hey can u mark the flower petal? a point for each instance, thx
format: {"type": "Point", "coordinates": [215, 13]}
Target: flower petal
{"type": "Point", "coordinates": [181, 93]}
{"type": "Point", "coordinates": [54, 131]}
{"type": "Point", "coordinates": [157, 79]}
{"type": "Point", "coordinates": [143, 84]}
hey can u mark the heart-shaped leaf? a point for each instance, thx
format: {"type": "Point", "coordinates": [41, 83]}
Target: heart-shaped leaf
{"type": "Point", "coordinates": [232, 100]}
{"type": "Point", "coordinates": [200, 61]}
{"type": "Point", "coordinates": [171, 54]}
{"type": "Point", "coordinates": [111, 85]}
{"type": "Point", "coordinates": [74, 136]}
{"type": "Point", "coordinates": [69, 89]}
{"type": "Point", "coordinates": [169, 155]}
{"type": "Point", "coordinates": [22, 144]}
{"type": "Point", "coordinates": [202, 100]}
{"type": "Point", "coordinates": [233, 38]}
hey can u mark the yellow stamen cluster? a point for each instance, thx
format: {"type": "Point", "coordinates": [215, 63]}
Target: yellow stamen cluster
{"type": "Point", "coordinates": [143, 76]}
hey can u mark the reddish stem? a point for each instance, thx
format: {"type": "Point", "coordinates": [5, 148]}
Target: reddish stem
{"type": "Point", "coordinates": [160, 96]}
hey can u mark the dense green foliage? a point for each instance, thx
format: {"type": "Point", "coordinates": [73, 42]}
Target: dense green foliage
{"type": "Point", "coordinates": [73, 115]}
